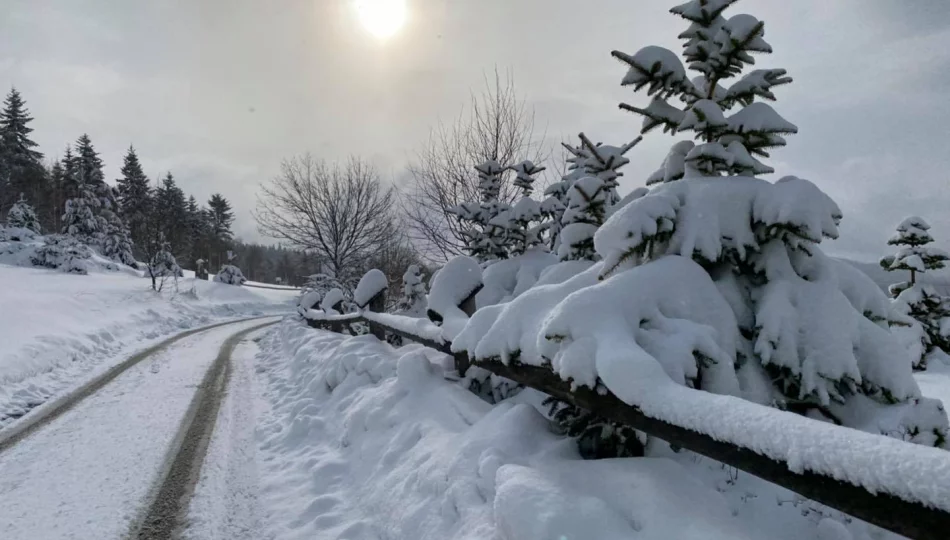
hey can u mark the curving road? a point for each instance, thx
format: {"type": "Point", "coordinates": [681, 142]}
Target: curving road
{"type": "Point", "coordinates": [118, 458]}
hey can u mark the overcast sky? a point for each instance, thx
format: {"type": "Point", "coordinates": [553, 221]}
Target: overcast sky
{"type": "Point", "coordinates": [219, 91]}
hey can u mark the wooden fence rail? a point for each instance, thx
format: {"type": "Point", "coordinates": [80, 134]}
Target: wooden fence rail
{"type": "Point", "coordinates": [891, 512]}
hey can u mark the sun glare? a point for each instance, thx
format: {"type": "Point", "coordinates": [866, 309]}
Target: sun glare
{"type": "Point", "coordinates": [382, 18]}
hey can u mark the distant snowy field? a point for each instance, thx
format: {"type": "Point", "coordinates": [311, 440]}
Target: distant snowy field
{"type": "Point", "coordinates": [58, 329]}
{"type": "Point", "coordinates": [357, 439]}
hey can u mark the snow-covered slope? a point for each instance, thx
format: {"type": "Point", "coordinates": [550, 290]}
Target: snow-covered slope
{"type": "Point", "coordinates": [57, 329]}
{"type": "Point", "coordinates": [361, 440]}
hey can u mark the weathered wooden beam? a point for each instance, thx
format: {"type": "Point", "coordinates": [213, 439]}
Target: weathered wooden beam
{"type": "Point", "coordinates": [897, 515]}
{"type": "Point", "coordinates": [377, 305]}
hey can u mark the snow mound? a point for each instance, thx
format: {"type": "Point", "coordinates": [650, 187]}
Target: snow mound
{"type": "Point", "coordinates": [453, 284]}
{"type": "Point", "coordinates": [371, 284]}
{"type": "Point", "coordinates": [332, 299]}
{"type": "Point", "coordinates": [361, 440]}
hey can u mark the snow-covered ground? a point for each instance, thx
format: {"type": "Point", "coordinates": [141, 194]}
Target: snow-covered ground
{"type": "Point", "coordinates": [57, 329]}
{"type": "Point", "coordinates": [357, 439]}
{"type": "Point", "coordinates": [88, 473]}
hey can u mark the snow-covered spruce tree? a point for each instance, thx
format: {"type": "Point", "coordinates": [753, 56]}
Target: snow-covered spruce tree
{"type": "Point", "coordinates": [523, 220]}
{"type": "Point", "coordinates": [79, 219]}
{"type": "Point", "coordinates": [115, 242]}
{"type": "Point", "coordinates": [590, 197]}
{"type": "Point", "coordinates": [135, 197]}
{"type": "Point", "coordinates": [807, 341]}
{"type": "Point", "coordinates": [714, 279]}
{"type": "Point", "coordinates": [412, 303]}
{"type": "Point", "coordinates": [21, 169]}
{"type": "Point", "coordinates": [486, 237]}
{"type": "Point", "coordinates": [920, 302]}
{"type": "Point", "coordinates": [591, 191]}
{"type": "Point", "coordinates": [22, 216]}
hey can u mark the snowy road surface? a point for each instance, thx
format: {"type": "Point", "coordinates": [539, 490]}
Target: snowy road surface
{"type": "Point", "coordinates": [90, 472]}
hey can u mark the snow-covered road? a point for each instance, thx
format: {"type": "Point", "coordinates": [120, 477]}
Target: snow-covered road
{"type": "Point", "coordinates": [90, 473]}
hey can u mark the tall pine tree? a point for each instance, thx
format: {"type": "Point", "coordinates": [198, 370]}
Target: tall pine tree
{"type": "Point", "coordinates": [21, 170]}
{"type": "Point", "coordinates": [221, 218]}
{"type": "Point", "coordinates": [171, 215]}
{"type": "Point", "coordinates": [134, 197]}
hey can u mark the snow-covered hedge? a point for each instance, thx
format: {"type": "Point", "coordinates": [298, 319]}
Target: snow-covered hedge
{"type": "Point", "coordinates": [23, 247]}
{"type": "Point", "coordinates": [230, 275]}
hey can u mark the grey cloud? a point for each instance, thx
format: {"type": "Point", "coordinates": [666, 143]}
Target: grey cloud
{"type": "Point", "coordinates": [180, 78]}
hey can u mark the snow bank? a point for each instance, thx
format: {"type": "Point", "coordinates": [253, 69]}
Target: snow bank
{"type": "Point", "coordinates": [360, 440]}
{"type": "Point", "coordinates": [59, 329]}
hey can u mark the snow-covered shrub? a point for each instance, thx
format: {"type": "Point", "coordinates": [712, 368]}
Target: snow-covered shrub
{"type": "Point", "coordinates": [22, 216]}
{"type": "Point", "coordinates": [65, 253]}
{"type": "Point", "coordinates": [164, 264]}
{"type": "Point", "coordinates": [928, 311]}
{"type": "Point", "coordinates": [412, 303]}
{"type": "Point", "coordinates": [714, 279]}
{"type": "Point", "coordinates": [371, 285]}
{"type": "Point", "coordinates": [230, 275]}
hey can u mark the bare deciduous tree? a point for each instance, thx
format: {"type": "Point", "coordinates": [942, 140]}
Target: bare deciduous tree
{"type": "Point", "coordinates": [340, 212]}
{"type": "Point", "coordinates": [498, 125]}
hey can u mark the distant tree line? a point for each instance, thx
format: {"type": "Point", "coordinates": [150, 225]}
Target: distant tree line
{"type": "Point", "coordinates": [133, 220]}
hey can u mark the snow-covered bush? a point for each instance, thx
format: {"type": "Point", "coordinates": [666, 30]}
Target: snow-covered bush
{"type": "Point", "coordinates": [164, 264]}
{"type": "Point", "coordinates": [22, 216]}
{"type": "Point", "coordinates": [412, 303]}
{"type": "Point", "coordinates": [230, 275]}
{"type": "Point", "coordinates": [65, 253]}
{"type": "Point", "coordinates": [714, 278]}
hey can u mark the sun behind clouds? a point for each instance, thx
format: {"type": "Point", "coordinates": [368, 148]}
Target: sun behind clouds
{"type": "Point", "coordinates": [382, 18]}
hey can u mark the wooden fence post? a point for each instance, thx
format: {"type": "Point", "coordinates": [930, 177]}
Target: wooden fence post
{"type": "Point", "coordinates": [377, 305]}
{"type": "Point", "coordinates": [467, 306]}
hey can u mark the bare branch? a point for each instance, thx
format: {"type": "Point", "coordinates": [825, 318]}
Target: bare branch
{"type": "Point", "coordinates": [499, 126]}
{"type": "Point", "coordinates": [340, 212]}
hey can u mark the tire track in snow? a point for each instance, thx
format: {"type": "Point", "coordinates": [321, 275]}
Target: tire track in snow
{"type": "Point", "coordinates": [52, 410]}
{"type": "Point", "coordinates": [164, 517]}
